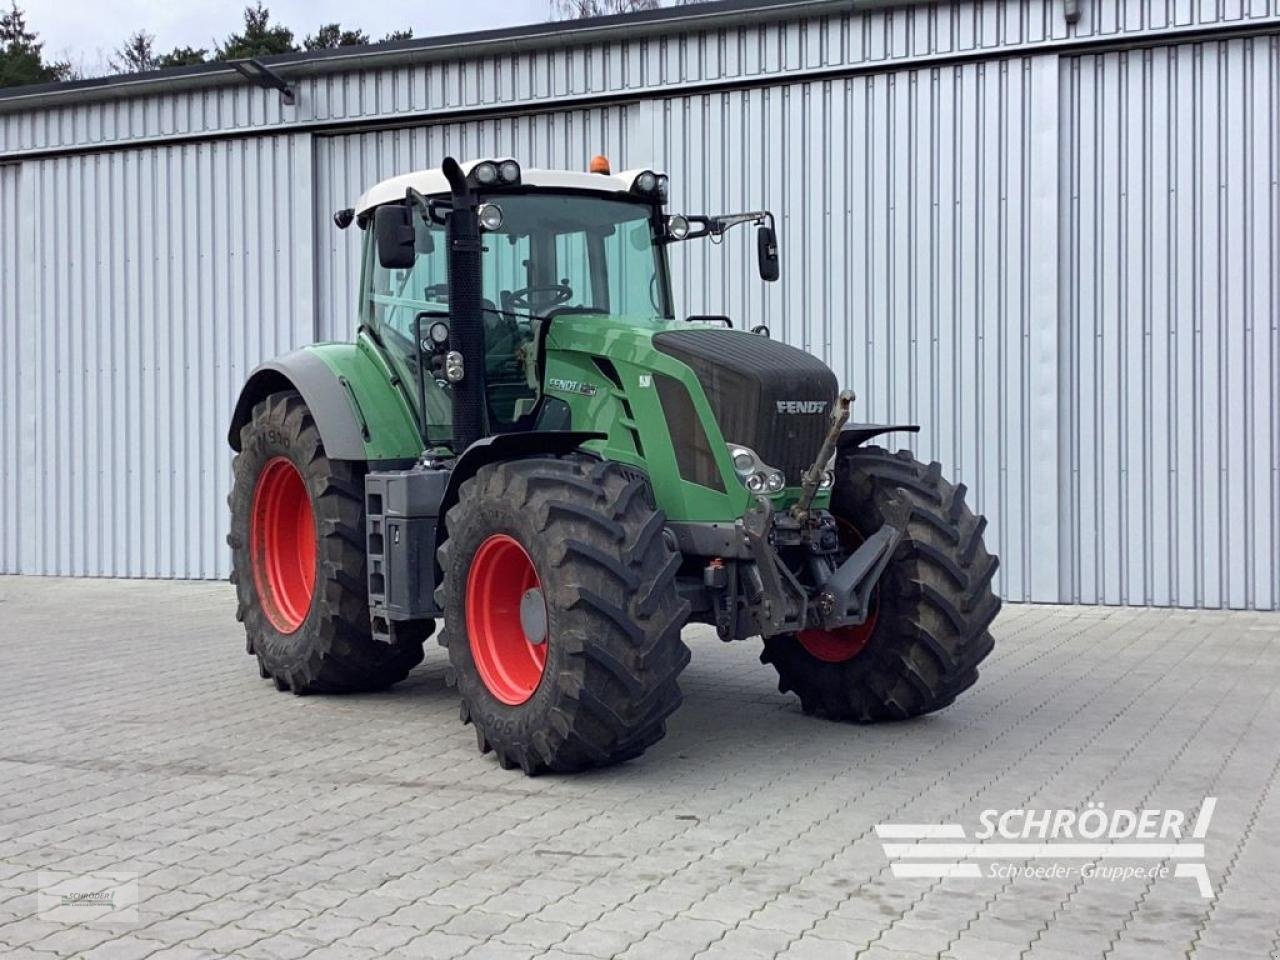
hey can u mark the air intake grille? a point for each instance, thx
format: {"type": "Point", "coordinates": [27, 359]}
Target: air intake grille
{"type": "Point", "coordinates": [694, 457]}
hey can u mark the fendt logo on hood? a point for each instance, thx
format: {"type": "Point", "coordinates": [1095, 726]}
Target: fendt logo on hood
{"type": "Point", "coordinates": [803, 406]}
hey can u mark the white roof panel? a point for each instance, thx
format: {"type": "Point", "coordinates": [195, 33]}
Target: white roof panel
{"type": "Point", "coordinates": [429, 182]}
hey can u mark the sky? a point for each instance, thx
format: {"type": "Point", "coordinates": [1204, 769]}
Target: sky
{"type": "Point", "coordinates": [85, 32]}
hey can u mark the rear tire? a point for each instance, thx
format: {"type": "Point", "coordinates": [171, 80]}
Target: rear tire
{"type": "Point", "coordinates": [598, 689]}
{"type": "Point", "coordinates": [932, 605]}
{"type": "Point", "coordinates": [300, 583]}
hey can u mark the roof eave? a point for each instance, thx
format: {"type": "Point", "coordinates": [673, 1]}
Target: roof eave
{"type": "Point", "coordinates": [555, 34]}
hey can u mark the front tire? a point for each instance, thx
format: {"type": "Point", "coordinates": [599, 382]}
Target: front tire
{"type": "Point", "coordinates": [298, 560]}
{"type": "Point", "coordinates": [927, 631]}
{"type": "Point", "coordinates": [562, 618]}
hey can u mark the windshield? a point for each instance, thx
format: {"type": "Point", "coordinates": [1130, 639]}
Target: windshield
{"type": "Point", "coordinates": [554, 254]}
{"type": "Point", "coordinates": [575, 253]}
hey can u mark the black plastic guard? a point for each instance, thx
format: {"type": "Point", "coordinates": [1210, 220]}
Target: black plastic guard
{"type": "Point", "coordinates": [856, 434]}
{"type": "Point", "coordinates": [511, 446]}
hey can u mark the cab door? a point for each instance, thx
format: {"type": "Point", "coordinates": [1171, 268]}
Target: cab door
{"type": "Point", "coordinates": [399, 306]}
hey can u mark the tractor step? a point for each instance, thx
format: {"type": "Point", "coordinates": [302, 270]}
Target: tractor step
{"type": "Point", "coordinates": [401, 507]}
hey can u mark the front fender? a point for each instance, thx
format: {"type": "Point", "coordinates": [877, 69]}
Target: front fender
{"type": "Point", "coordinates": [510, 446]}
{"type": "Point", "coordinates": [856, 434]}
{"type": "Point", "coordinates": [504, 446]}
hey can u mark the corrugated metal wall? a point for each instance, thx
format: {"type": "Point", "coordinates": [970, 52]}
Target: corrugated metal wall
{"type": "Point", "coordinates": [902, 269]}
{"type": "Point", "coordinates": [347, 165]}
{"type": "Point", "coordinates": [154, 280]}
{"type": "Point", "coordinates": [11, 419]}
{"type": "Point", "coordinates": [1171, 356]}
{"type": "Point", "coordinates": [1061, 264]}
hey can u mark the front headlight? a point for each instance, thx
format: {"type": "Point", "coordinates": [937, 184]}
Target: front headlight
{"type": "Point", "coordinates": [509, 172]}
{"type": "Point", "coordinates": [495, 173]}
{"type": "Point", "coordinates": [490, 216]}
{"type": "Point", "coordinates": [653, 185]}
{"type": "Point", "coordinates": [756, 475]}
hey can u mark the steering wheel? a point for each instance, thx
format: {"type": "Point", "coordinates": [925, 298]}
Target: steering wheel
{"type": "Point", "coordinates": [559, 293]}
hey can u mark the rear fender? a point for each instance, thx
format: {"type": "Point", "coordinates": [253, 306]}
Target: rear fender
{"type": "Point", "coordinates": [357, 409]}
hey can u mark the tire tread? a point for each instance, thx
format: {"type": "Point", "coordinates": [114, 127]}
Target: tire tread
{"type": "Point", "coordinates": [613, 583]}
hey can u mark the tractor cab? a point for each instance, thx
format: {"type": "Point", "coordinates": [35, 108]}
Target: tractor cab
{"type": "Point", "coordinates": [552, 244]}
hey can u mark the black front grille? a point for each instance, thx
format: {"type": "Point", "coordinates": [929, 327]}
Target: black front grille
{"type": "Point", "coordinates": [766, 395]}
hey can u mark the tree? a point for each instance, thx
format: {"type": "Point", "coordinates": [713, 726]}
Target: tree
{"type": "Point", "coordinates": [331, 35]}
{"type": "Point", "coordinates": [21, 55]}
{"type": "Point", "coordinates": [580, 9]}
{"type": "Point", "coordinates": [135, 55]}
{"type": "Point", "coordinates": [21, 60]}
{"type": "Point", "coordinates": [182, 57]}
{"type": "Point", "coordinates": [260, 38]}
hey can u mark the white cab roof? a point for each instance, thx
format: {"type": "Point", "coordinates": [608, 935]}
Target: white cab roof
{"type": "Point", "coordinates": [428, 182]}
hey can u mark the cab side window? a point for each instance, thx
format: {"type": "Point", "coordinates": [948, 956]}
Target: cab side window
{"type": "Point", "coordinates": [633, 279]}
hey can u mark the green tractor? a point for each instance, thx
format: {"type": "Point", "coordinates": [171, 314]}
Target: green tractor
{"type": "Point", "coordinates": [524, 442]}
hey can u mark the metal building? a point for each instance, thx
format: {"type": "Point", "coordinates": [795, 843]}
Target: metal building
{"type": "Point", "coordinates": [1047, 231]}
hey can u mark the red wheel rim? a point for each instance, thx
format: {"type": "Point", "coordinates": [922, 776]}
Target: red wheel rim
{"type": "Point", "coordinates": [840, 644]}
{"type": "Point", "coordinates": [843, 643]}
{"type": "Point", "coordinates": [283, 536]}
{"type": "Point", "coordinates": [501, 574]}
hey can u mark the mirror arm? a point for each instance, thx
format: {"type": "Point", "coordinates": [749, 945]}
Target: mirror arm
{"type": "Point", "coordinates": [429, 208]}
{"type": "Point", "coordinates": [434, 208]}
{"type": "Point", "coordinates": [766, 241]}
{"type": "Point", "coordinates": [415, 199]}
{"type": "Point", "coordinates": [717, 226]}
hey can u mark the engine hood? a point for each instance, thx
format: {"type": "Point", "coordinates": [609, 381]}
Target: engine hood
{"type": "Point", "coordinates": [765, 394]}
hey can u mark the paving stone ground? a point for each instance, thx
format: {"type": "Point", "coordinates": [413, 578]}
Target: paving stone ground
{"type": "Point", "coordinates": [136, 737]}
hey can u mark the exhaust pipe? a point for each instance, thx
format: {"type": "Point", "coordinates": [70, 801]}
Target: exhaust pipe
{"type": "Point", "coordinates": [466, 320]}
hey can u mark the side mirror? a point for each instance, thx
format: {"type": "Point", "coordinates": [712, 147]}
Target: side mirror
{"type": "Point", "coordinates": [394, 234]}
{"type": "Point", "coordinates": [767, 250]}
